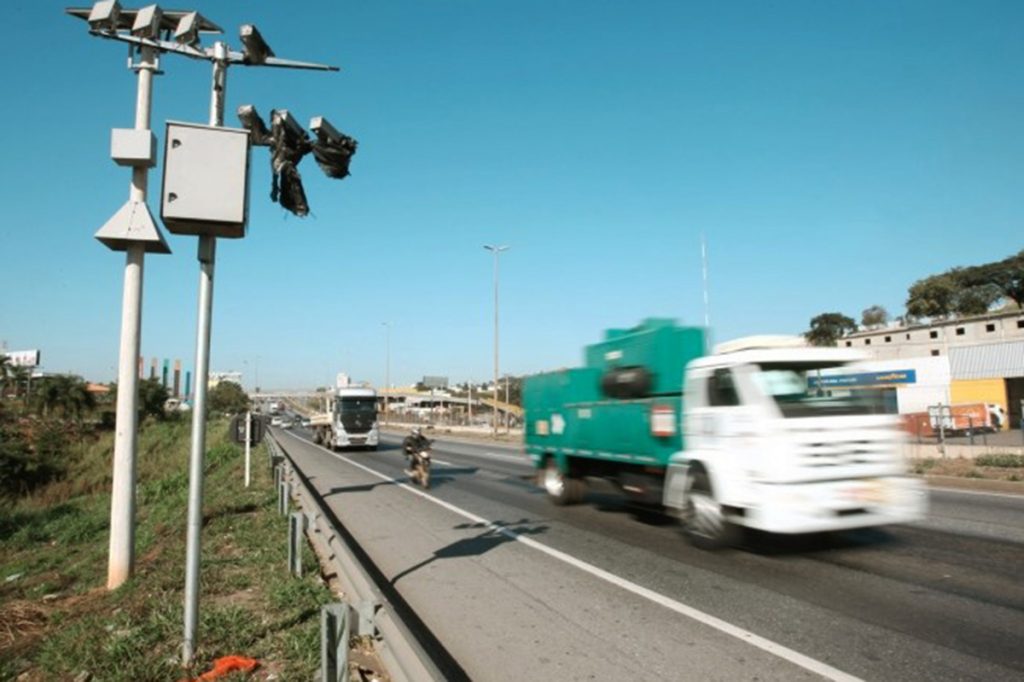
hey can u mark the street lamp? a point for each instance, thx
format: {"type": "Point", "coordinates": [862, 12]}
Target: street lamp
{"type": "Point", "coordinates": [387, 373]}
{"type": "Point", "coordinates": [496, 250]}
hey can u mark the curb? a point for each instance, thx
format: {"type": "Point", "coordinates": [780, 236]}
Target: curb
{"type": "Point", "coordinates": [975, 484]}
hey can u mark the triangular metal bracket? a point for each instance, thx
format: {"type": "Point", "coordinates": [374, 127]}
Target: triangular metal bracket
{"type": "Point", "coordinates": [133, 223]}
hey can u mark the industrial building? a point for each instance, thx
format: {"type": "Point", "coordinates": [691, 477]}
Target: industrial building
{"type": "Point", "coordinates": [976, 359]}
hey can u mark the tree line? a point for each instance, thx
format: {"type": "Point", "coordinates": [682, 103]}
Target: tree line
{"type": "Point", "coordinates": [957, 292]}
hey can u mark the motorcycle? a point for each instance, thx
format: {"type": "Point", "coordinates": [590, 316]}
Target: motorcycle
{"type": "Point", "coordinates": [418, 450]}
{"type": "Point", "coordinates": [419, 470]}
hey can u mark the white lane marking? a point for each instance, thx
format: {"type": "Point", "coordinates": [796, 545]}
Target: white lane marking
{"type": "Point", "coordinates": [977, 492]}
{"type": "Point", "coordinates": [783, 652]}
{"type": "Point", "coordinates": [442, 462]}
{"type": "Point", "coordinates": [521, 459]}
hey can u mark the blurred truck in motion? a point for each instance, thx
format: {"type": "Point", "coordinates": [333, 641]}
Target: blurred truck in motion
{"type": "Point", "coordinates": [955, 419]}
{"type": "Point", "coordinates": [349, 419]}
{"type": "Point", "coordinates": [728, 440]}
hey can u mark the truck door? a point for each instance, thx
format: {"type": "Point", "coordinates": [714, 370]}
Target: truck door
{"type": "Point", "coordinates": [711, 398]}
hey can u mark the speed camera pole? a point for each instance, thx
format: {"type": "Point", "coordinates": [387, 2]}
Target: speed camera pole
{"type": "Point", "coordinates": [207, 254]}
{"type": "Point", "coordinates": [121, 560]}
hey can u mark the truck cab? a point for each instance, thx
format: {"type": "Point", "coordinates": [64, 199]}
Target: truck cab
{"type": "Point", "coordinates": [350, 420]}
{"type": "Point", "coordinates": [767, 450]}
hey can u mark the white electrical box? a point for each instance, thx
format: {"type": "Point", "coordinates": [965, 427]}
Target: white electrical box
{"type": "Point", "coordinates": [131, 147]}
{"type": "Point", "coordinates": [206, 180]}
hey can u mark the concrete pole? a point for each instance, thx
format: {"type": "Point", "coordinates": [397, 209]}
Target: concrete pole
{"type": "Point", "coordinates": [121, 562]}
{"type": "Point", "coordinates": [207, 259]}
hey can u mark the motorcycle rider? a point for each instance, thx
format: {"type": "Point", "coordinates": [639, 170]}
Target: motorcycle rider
{"type": "Point", "coordinates": [414, 444]}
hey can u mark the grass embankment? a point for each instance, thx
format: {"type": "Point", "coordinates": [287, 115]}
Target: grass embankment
{"type": "Point", "coordinates": [996, 467]}
{"type": "Point", "coordinates": [57, 620]}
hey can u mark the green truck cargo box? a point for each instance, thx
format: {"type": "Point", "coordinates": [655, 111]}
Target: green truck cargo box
{"type": "Point", "coordinates": [568, 414]}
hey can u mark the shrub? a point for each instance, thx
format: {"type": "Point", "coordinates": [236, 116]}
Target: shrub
{"type": "Point", "coordinates": [1005, 460]}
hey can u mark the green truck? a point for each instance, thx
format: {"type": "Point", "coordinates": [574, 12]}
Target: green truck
{"type": "Point", "coordinates": [723, 440]}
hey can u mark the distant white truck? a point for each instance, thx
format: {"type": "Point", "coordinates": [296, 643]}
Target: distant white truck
{"type": "Point", "coordinates": [350, 420]}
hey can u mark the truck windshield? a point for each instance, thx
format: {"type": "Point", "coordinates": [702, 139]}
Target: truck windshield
{"type": "Point", "coordinates": [787, 385]}
{"type": "Point", "coordinates": [357, 405]}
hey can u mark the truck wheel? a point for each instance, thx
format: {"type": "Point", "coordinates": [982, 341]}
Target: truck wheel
{"type": "Point", "coordinates": [703, 523]}
{"type": "Point", "coordinates": [561, 489]}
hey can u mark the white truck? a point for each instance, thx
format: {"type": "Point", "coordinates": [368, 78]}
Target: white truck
{"type": "Point", "coordinates": [350, 420]}
{"type": "Point", "coordinates": [733, 439]}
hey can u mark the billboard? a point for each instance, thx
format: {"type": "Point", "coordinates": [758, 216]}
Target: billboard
{"type": "Point", "coordinates": [435, 382]}
{"type": "Point", "coordinates": [864, 379]}
{"type": "Point", "coordinates": [23, 358]}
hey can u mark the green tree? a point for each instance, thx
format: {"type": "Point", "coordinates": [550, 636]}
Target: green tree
{"type": "Point", "coordinates": [152, 397]}
{"type": "Point", "coordinates": [1005, 276]}
{"type": "Point", "coordinates": [933, 296]}
{"type": "Point", "coordinates": [64, 394]}
{"type": "Point", "coordinates": [5, 373]}
{"type": "Point", "coordinates": [828, 328]}
{"type": "Point", "coordinates": [875, 316]}
{"type": "Point", "coordinates": [227, 396]}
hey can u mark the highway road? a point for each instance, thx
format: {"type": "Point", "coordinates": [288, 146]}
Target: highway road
{"type": "Point", "coordinates": [514, 588]}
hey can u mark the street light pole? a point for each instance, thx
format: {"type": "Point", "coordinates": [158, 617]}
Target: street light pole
{"type": "Point", "coordinates": [387, 373]}
{"type": "Point", "coordinates": [496, 250]}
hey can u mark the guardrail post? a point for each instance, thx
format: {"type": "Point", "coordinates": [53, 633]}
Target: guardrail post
{"type": "Point", "coordinates": [284, 492]}
{"type": "Point", "coordinates": [334, 635]}
{"type": "Point", "coordinates": [296, 534]}
{"type": "Point", "coordinates": [365, 610]}
{"type": "Point", "coordinates": [277, 476]}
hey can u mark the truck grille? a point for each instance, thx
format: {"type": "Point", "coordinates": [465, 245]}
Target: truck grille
{"type": "Point", "coordinates": [357, 423]}
{"type": "Point", "coordinates": [845, 452]}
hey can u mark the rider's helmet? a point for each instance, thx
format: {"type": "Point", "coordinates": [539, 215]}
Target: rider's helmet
{"type": "Point", "coordinates": [416, 431]}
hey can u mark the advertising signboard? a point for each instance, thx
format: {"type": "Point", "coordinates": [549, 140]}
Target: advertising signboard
{"type": "Point", "coordinates": [23, 358]}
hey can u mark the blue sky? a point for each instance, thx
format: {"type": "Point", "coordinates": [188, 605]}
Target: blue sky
{"type": "Point", "coordinates": [831, 152]}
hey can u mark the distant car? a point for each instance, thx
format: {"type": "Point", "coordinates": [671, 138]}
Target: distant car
{"type": "Point", "coordinates": [287, 423]}
{"type": "Point", "coordinates": [276, 421]}
{"type": "Point", "coordinates": [305, 422]}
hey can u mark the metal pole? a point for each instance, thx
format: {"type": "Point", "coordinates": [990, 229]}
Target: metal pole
{"type": "Point", "coordinates": [496, 250]}
{"type": "Point", "coordinates": [248, 447]}
{"type": "Point", "coordinates": [387, 374]}
{"type": "Point", "coordinates": [121, 561]}
{"type": "Point", "coordinates": [207, 259]}
{"type": "Point", "coordinates": [496, 260]}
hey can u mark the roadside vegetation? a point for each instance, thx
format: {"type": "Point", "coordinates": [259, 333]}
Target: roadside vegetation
{"type": "Point", "coordinates": [58, 621]}
{"type": "Point", "coordinates": [996, 467]}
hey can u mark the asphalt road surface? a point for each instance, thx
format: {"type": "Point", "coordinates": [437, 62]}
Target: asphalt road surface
{"type": "Point", "coordinates": [515, 588]}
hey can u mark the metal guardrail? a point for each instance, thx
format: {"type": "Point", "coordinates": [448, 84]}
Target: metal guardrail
{"type": "Point", "coordinates": [369, 612]}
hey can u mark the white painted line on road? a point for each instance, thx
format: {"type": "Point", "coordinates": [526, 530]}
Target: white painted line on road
{"type": "Point", "coordinates": [518, 459]}
{"type": "Point", "coordinates": [783, 652]}
{"type": "Point", "coordinates": [442, 462]}
{"type": "Point", "coordinates": [977, 492]}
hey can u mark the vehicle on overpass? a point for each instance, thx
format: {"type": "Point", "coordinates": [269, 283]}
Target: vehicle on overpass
{"type": "Point", "coordinates": [733, 439]}
{"type": "Point", "coordinates": [350, 420]}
